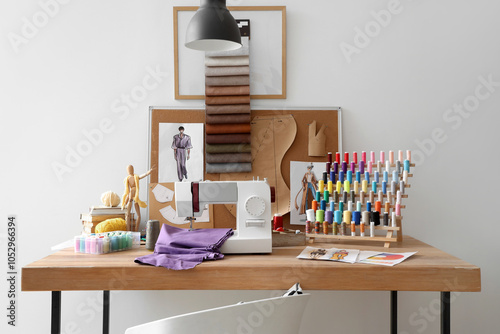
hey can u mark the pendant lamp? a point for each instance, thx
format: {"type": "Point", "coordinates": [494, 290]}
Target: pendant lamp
{"type": "Point", "coordinates": [213, 28]}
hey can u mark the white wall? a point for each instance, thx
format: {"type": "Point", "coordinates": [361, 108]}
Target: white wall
{"type": "Point", "coordinates": [66, 76]}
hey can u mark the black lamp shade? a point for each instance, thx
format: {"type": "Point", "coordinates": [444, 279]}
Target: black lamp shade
{"type": "Point", "coordinates": [213, 28]}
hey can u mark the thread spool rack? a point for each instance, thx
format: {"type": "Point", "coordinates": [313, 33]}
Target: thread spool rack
{"type": "Point", "coordinates": [393, 233]}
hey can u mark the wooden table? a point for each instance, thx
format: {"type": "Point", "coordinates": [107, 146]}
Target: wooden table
{"type": "Point", "coordinates": [429, 270]}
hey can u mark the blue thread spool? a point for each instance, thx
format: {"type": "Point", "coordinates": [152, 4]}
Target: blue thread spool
{"type": "Point", "coordinates": [374, 186]}
{"type": "Point", "coordinates": [395, 176]}
{"type": "Point", "coordinates": [318, 196]}
{"type": "Point", "coordinates": [407, 166]}
{"type": "Point", "coordinates": [358, 206]}
{"type": "Point", "coordinates": [367, 176]}
{"type": "Point", "coordinates": [356, 217]}
{"type": "Point", "coordinates": [386, 176]}
{"type": "Point", "coordinates": [341, 206]}
{"type": "Point", "coordinates": [384, 187]}
{"type": "Point", "coordinates": [349, 176]}
{"type": "Point", "coordinates": [362, 166]}
{"type": "Point", "coordinates": [332, 206]}
{"type": "Point", "coordinates": [358, 176]}
{"type": "Point", "coordinates": [368, 206]}
{"type": "Point", "coordinates": [376, 176]}
{"type": "Point", "coordinates": [341, 177]}
{"type": "Point", "coordinates": [82, 244]}
{"type": "Point", "coordinates": [338, 216]}
{"type": "Point", "coordinates": [323, 205]}
{"type": "Point", "coordinates": [114, 243]}
{"type": "Point", "coordinates": [332, 177]}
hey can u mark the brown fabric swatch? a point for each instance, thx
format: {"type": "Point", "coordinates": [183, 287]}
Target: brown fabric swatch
{"type": "Point", "coordinates": [222, 71]}
{"type": "Point", "coordinates": [227, 109]}
{"type": "Point", "coordinates": [227, 90]}
{"type": "Point", "coordinates": [229, 168]}
{"type": "Point", "coordinates": [228, 157]}
{"type": "Point", "coordinates": [224, 100]}
{"type": "Point", "coordinates": [229, 118]}
{"type": "Point", "coordinates": [228, 148]}
{"type": "Point", "coordinates": [233, 80]}
{"type": "Point", "coordinates": [234, 138]}
{"type": "Point", "coordinates": [213, 129]}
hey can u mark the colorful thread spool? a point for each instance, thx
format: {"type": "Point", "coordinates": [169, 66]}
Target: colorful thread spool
{"type": "Point", "coordinates": [332, 177]}
{"type": "Point", "coordinates": [322, 205]}
{"type": "Point", "coordinates": [387, 166]}
{"type": "Point", "coordinates": [337, 157]}
{"type": "Point", "coordinates": [356, 217]}
{"type": "Point", "coordinates": [375, 217]}
{"type": "Point", "coordinates": [347, 217]}
{"type": "Point", "coordinates": [335, 229]}
{"type": "Point", "coordinates": [329, 216]}
{"type": "Point", "coordinates": [336, 196]}
{"type": "Point", "coordinates": [346, 156]}
{"type": "Point", "coordinates": [362, 196]}
{"type": "Point", "coordinates": [337, 216]}
{"type": "Point", "coordinates": [326, 196]}
{"type": "Point", "coordinates": [321, 186]}
{"type": "Point", "coordinates": [332, 206]}
{"type": "Point", "coordinates": [330, 157]}
{"type": "Point", "coordinates": [376, 177]}
{"type": "Point", "coordinates": [382, 156]}
{"type": "Point", "coordinates": [379, 166]}
{"type": "Point", "coordinates": [344, 197]}
{"type": "Point", "coordinates": [372, 229]}
{"type": "Point", "coordinates": [318, 196]}
{"type": "Point", "coordinates": [364, 186]}
{"type": "Point", "coordinates": [405, 177]}
{"type": "Point", "coordinates": [402, 186]}
{"type": "Point", "coordinates": [353, 229]}
{"type": "Point", "coordinates": [362, 230]}
{"type": "Point", "coordinates": [372, 156]}
{"type": "Point", "coordinates": [386, 219]}
{"type": "Point", "coordinates": [310, 215]}
{"type": "Point", "coordinates": [393, 220]}
{"type": "Point", "coordinates": [389, 197]}
{"type": "Point", "coordinates": [353, 167]}
{"type": "Point", "coordinates": [380, 196]}
{"type": "Point", "coordinates": [349, 176]}
{"type": "Point", "coordinates": [371, 196]}
{"type": "Point", "coordinates": [349, 206]}
{"type": "Point", "coordinates": [358, 206]}
{"type": "Point", "coordinates": [330, 186]}
{"type": "Point", "coordinates": [325, 177]}
{"type": "Point", "coordinates": [277, 221]}
{"type": "Point", "coordinates": [353, 196]}
{"type": "Point", "coordinates": [317, 227]}
{"type": "Point", "coordinates": [370, 167]}
{"type": "Point", "coordinates": [391, 157]}
{"type": "Point", "coordinates": [363, 156]}
{"type": "Point", "coordinates": [308, 227]}
{"type": "Point", "coordinates": [398, 166]}
{"type": "Point", "coordinates": [362, 166]}
{"type": "Point", "coordinates": [320, 215]}
{"type": "Point", "coordinates": [407, 165]}
{"type": "Point", "coordinates": [400, 155]}
{"type": "Point", "coordinates": [367, 176]}
{"type": "Point", "coordinates": [387, 207]}
{"type": "Point", "coordinates": [336, 167]}
{"type": "Point", "coordinates": [347, 186]}
{"type": "Point", "coordinates": [374, 186]}
{"type": "Point", "coordinates": [344, 167]}
{"type": "Point", "coordinates": [355, 157]}
{"type": "Point", "coordinates": [408, 155]}
{"type": "Point", "coordinates": [395, 176]}
{"type": "Point", "coordinates": [343, 229]}
{"type": "Point", "coordinates": [365, 217]}
{"type": "Point", "coordinates": [341, 206]}
{"type": "Point", "coordinates": [356, 187]}
{"type": "Point", "coordinates": [384, 187]}
{"type": "Point", "coordinates": [325, 227]}
{"type": "Point", "coordinates": [386, 176]}
{"type": "Point", "coordinates": [398, 209]}
{"type": "Point", "coordinates": [341, 176]}
{"type": "Point", "coordinates": [314, 205]}
{"type": "Point", "coordinates": [358, 176]}
{"type": "Point", "coordinates": [393, 187]}
{"type": "Point", "coordinates": [378, 206]}
{"type": "Point", "coordinates": [338, 188]}
{"type": "Point", "coordinates": [398, 197]}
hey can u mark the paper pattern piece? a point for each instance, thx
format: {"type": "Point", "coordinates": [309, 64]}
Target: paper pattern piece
{"type": "Point", "coordinates": [353, 256]}
{"type": "Point", "coordinates": [317, 141]}
{"type": "Point", "coordinates": [163, 194]}
{"type": "Point", "coordinates": [170, 214]}
{"type": "Point", "coordinates": [272, 137]}
{"type": "Point", "coordinates": [387, 259]}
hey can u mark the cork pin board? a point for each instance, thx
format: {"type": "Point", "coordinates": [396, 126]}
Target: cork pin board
{"type": "Point", "coordinates": [298, 151]}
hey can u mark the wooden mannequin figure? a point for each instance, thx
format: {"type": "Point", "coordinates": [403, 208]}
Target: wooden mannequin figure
{"type": "Point", "coordinates": [131, 196]}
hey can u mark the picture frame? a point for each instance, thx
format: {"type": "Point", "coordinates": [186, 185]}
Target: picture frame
{"type": "Point", "coordinates": [268, 63]}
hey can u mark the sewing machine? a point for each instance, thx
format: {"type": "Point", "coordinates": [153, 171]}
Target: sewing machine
{"type": "Point", "coordinates": [253, 232]}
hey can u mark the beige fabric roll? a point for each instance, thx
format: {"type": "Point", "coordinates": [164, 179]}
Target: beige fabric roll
{"type": "Point", "coordinates": [232, 80]}
{"type": "Point", "coordinates": [227, 61]}
{"type": "Point", "coordinates": [220, 71]}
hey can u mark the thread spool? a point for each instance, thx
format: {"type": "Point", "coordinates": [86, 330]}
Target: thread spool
{"type": "Point", "coordinates": [405, 177]}
{"type": "Point", "coordinates": [374, 186]}
{"type": "Point", "coordinates": [106, 244]}
{"type": "Point", "coordinates": [318, 196]}
{"type": "Point", "coordinates": [322, 205]}
{"type": "Point", "coordinates": [398, 197]}
{"type": "Point", "coordinates": [364, 186]}
{"type": "Point", "coordinates": [336, 196]}
{"type": "Point", "coordinates": [393, 187]}
{"type": "Point", "coordinates": [346, 156]}
{"type": "Point", "coordinates": [343, 229]}
{"type": "Point", "coordinates": [363, 156]}
{"type": "Point", "coordinates": [329, 216]}
{"type": "Point", "coordinates": [356, 187]}
{"type": "Point", "coordinates": [321, 186]}
{"type": "Point", "coordinates": [337, 216]}
{"type": "Point", "coordinates": [344, 197]}
{"type": "Point", "coordinates": [317, 227]}
{"type": "Point", "coordinates": [370, 167]}
{"type": "Point", "coordinates": [326, 196]}
{"type": "Point", "coordinates": [277, 221]}
{"type": "Point", "coordinates": [153, 231]}
{"type": "Point", "coordinates": [400, 155]}
{"type": "Point", "coordinates": [325, 227]}
{"type": "Point", "coordinates": [358, 206]}
{"type": "Point", "coordinates": [325, 177]}
{"type": "Point", "coordinates": [382, 156]}
{"type": "Point", "coordinates": [367, 177]}
{"type": "Point", "coordinates": [77, 243]}
{"type": "Point", "coordinates": [356, 217]}
{"type": "Point", "coordinates": [310, 215]}
{"type": "Point", "coordinates": [391, 157]}
{"type": "Point", "coordinates": [372, 156]}
{"type": "Point", "coordinates": [362, 197]}
{"type": "Point", "coordinates": [347, 217]}
{"type": "Point", "coordinates": [369, 206]}
{"type": "Point", "coordinates": [82, 244]}
{"type": "Point", "coordinates": [389, 197]}
{"type": "Point", "coordinates": [394, 223]}
{"type": "Point", "coordinates": [365, 217]}
{"type": "Point", "coordinates": [314, 205]}
{"type": "Point", "coordinates": [362, 230]}
{"type": "Point", "coordinates": [375, 217]}
{"type": "Point", "coordinates": [398, 166]}
{"type": "Point", "coordinates": [341, 206]}
{"type": "Point", "coordinates": [407, 165]}
{"type": "Point", "coordinates": [386, 218]}
{"type": "Point", "coordinates": [338, 187]}
{"type": "Point", "coordinates": [347, 186]}
{"type": "Point", "coordinates": [355, 157]}
{"type": "Point", "coordinates": [330, 157]}
{"type": "Point", "coordinates": [353, 167]}
{"type": "Point", "coordinates": [332, 177]}
{"type": "Point", "coordinates": [349, 176]}
{"type": "Point", "coordinates": [344, 166]}
{"type": "Point", "coordinates": [398, 209]}
{"type": "Point", "coordinates": [353, 196]}
{"type": "Point", "coordinates": [353, 229]}
{"type": "Point", "coordinates": [386, 176]}
{"type": "Point", "coordinates": [330, 187]}
{"type": "Point", "coordinates": [372, 197]}
{"type": "Point", "coordinates": [341, 176]}
{"type": "Point", "coordinates": [395, 176]}
{"type": "Point", "coordinates": [408, 155]}
{"type": "Point", "coordinates": [332, 206]}
{"type": "Point", "coordinates": [308, 227]}
{"type": "Point", "coordinates": [372, 229]}
{"type": "Point", "coordinates": [387, 166]}
{"type": "Point", "coordinates": [379, 166]}
{"type": "Point", "coordinates": [336, 167]}
{"type": "Point", "coordinates": [380, 196]}
{"type": "Point", "coordinates": [320, 215]}
{"type": "Point", "coordinates": [349, 206]}
{"type": "Point", "coordinates": [376, 177]}
{"type": "Point", "coordinates": [378, 206]}
{"type": "Point", "coordinates": [337, 157]}
{"type": "Point", "coordinates": [335, 229]}
{"type": "Point", "coordinates": [328, 168]}
{"type": "Point", "coordinates": [362, 166]}
{"type": "Point", "coordinates": [87, 245]}
{"type": "Point", "coordinates": [402, 186]}
{"type": "Point", "coordinates": [384, 187]}
{"type": "Point", "coordinates": [387, 207]}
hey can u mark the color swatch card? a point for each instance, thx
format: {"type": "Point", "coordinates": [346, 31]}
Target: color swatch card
{"type": "Point", "coordinates": [386, 259]}
{"type": "Point", "coordinates": [331, 254]}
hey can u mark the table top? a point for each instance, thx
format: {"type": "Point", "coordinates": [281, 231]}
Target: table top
{"type": "Point", "coordinates": [429, 270]}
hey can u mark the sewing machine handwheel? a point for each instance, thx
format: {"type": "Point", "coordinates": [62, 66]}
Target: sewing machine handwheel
{"type": "Point", "coordinates": [273, 194]}
{"type": "Point", "coordinates": [255, 206]}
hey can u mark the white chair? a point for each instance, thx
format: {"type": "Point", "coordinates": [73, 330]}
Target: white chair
{"type": "Point", "coordinates": [280, 315]}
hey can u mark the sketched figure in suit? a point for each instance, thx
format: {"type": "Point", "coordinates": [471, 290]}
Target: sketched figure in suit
{"type": "Point", "coordinates": [182, 148]}
{"type": "Point", "coordinates": [309, 184]}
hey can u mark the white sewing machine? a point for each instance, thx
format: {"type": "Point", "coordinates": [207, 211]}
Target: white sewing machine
{"type": "Point", "coordinates": [253, 232]}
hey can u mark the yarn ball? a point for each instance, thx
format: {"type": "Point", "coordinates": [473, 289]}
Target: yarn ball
{"type": "Point", "coordinates": [110, 199]}
{"type": "Point", "coordinates": [110, 225]}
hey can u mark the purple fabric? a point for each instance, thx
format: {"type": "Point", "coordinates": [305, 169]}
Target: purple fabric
{"type": "Point", "coordinates": [180, 249]}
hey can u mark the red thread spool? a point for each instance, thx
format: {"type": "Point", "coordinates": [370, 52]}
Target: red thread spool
{"type": "Point", "coordinates": [346, 156]}
{"type": "Point", "coordinates": [337, 157]}
{"type": "Point", "coordinates": [355, 157]}
{"type": "Point", "coordinates": [278, 221]}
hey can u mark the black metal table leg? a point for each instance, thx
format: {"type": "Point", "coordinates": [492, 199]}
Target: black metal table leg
{"type": "Point", "coordinates": [55, 318]}
{"type": "Point", "coordinates": [105, 313]}
{"type": "Point", "coordinates": [445, 312]}
{"type": "Point", "coordinates": [394, 312]}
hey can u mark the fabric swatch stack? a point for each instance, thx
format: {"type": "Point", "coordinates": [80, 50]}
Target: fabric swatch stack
{"type": "Point", "coordinates": [227, 99]}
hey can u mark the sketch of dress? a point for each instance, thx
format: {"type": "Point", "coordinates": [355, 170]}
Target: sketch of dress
{"type": "Point", "coordinates": [181, 145]}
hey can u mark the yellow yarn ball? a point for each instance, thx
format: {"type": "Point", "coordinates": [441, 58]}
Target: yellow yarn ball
{"type": "Point", "coordinates": [110, 225]}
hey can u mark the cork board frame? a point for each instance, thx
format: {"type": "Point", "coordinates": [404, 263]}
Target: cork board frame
{"type": "Point", "coordinates": [331, 117]}
{"type": "Point", "coordinates": [268, 29]}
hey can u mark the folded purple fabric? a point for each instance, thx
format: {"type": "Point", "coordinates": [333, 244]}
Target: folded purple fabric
{"type": "Point", "coordinates": [181, 249]}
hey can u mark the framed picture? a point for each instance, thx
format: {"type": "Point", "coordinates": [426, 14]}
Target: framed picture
{"type": "Point", "coordinates": [267, 58]}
